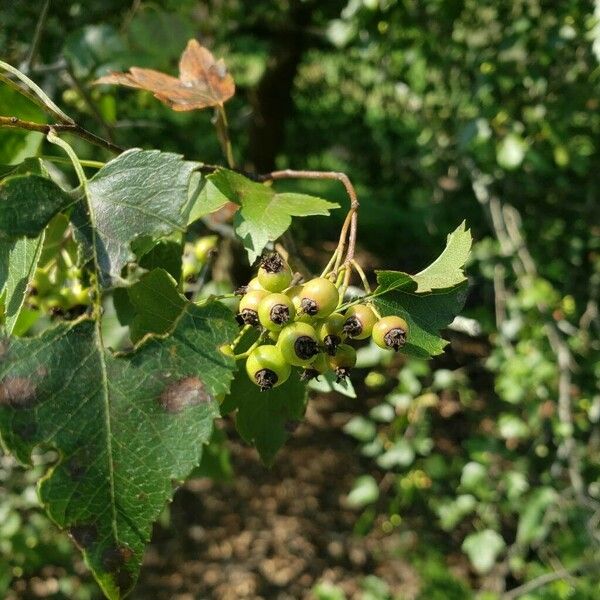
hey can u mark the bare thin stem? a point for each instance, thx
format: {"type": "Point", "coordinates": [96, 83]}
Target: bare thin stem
{"type": "Point", "coordinates": [73, 128]}
{"type": "Point", "coordinates": [37, 35]}
{"type": "Point", "coordinates": [362, 276]}
{"type": "Point", "coordinates": [222, 126]}
{"type": "Point", "coordinates": [92, 164]}
{"type": "Point", "coordinates": [90, 103]}
{"type": "Point", "coordinates": [351, 221]}
{"type": "Point", "coordinates": [43, 99]}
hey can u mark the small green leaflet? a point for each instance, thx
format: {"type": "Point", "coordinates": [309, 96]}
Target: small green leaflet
{"type": "Point", "coordinates": [27, 203]}
{"type": "Point", "coordinates": [125, 427]}
{"type": "Point", "coordinates": [264, 214]}
{"type": "Point", "coordinates": [430, 300]}
{"type": "Point", "coordinates": [447, 269]}
{"type": "Point", "coordinates": [139, 193]}
{"type": "Point", "coordinates": [265, 419]}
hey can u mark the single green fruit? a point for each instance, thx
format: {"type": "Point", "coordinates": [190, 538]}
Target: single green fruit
{"type": "Point", "coordinates": [331, 332]}
{"type": "Point", "coordinates": [254, 284]}
{"type": "Point", "coordinates": [343, 360]}
{"type": "Point", "coordinates": [204, 247]}
{"type": "Point", "coordinates": [319, 298]}
{"type": "Point", "coordinates": [267, 368]}
{"type": "Point", "coordinates": [248, 308]}
{"type": "Point", "coordinates": [274, 273]}
{"type": "Point", "coordinates": [390, 333]}
{"type": "Point", "coordinates": [298, 344]}
{"type": "Point", "coordinates": [359, 322]}
{"type": "Point", "coordinates": [275, 311]}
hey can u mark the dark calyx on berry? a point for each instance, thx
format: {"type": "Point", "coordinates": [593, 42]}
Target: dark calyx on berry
{"type": "Point", "coordinates": [309, 307]}
{"type": "Point", "coordinates": [308, 374]}
{"type": "Point", "coordinates": [395, 338]}
{"type": "Point", "coordinates": [273, 263]}
{"type": "Point", "coordinates": [280, 314]}
{"type": "Point", "coordinates": [241, 290]}
{"type": "Point", "coordinates": [305, 347]}
{"type": "Point", "coordinates": [265, 379]}
{"type": "Point", "coordinates": [330, 343]}
{"type": "Point", "coordinates": [249, 317]}
{"type": "Point", "coordinates": [342, 373]}
{"type": "Point", "coordinates": [353, 326]}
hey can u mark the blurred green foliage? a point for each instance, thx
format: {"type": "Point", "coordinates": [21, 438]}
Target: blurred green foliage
{"type": "Point", "coordinates": [439, 111]}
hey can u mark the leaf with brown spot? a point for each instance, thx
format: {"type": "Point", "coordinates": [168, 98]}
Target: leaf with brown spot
{"type": "Point", "coordinates": [125, 425]}
{"type": "Point", "coordinates": [203, 81]}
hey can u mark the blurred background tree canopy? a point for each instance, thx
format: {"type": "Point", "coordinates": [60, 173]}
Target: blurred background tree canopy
{"type": "Point", "coordinates": [477, 475]}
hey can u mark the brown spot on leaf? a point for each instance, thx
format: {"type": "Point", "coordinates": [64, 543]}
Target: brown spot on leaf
{"type": "Point", "coordinates": [76, 467]}
{"type": "Point", "coordinates": [17, 392]}
{"type": "Point", "coordinates": [114, 560]}
{"type": "Point", "coordinates": [114, 557]}
{"type": "Point", "coordinates": [84, 535]}
{"type": "Point", "coordinates": [181, 394]}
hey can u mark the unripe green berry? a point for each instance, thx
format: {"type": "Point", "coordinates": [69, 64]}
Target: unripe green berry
{"type": "Point", "coordinates": [331, 332]}
{"type": "Point", "coordinates": [274, 273]}
{"type": "Point", "coordinates": [204, 247]}
{"type": "Point", "coordinates": [248, 308]}
{"type": "Point", "coordinates": [267, 368]}
{"type": "Point", "coordinates": [298, 344]}
{"type": "Point", "coordinates": [316, 368]}
{"type": "Point", "coordinates": [359, 321]}
{"type": "Point", "coordinates": [275, 311]}
{"type": "Point", "coordinates": [319, 298]}
{"type": "Point", "coordinates": [390, 332]}
{"type": "Point", "coordinates": [343, 360]}
{"type": "Point", "coordinates": [254, 284]}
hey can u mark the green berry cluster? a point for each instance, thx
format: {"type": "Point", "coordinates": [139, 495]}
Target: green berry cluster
{"type": "Point", "coordinates": [302, 326]}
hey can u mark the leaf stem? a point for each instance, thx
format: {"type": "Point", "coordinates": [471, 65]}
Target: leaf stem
{"type": "Point", "coordinates": [46, 103]}
{"type": "Point", "coordinates": [239, 336]}
{"type": "Point", "coordinates": [222, 125]}
{"type": "Point", "coordinates": [73, 128]}
{"type": "Point", "coordinates": [92, 164]}
{"type": "Point", "coordinates": [247, 353]}
{"type": "Point", "coordinates": [54, 139]}
{"type": "Point", "coordinates": [362, 275]}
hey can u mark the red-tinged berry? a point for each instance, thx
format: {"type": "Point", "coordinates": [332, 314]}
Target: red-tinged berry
{"type": "Point", "coordinates": [319, 298]}
{"type": "Point", "coordinates": [359, 322]}
{"type": "Point", "coordinates": [390, 333]}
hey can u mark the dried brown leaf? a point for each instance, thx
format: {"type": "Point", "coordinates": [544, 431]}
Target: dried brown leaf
{"type": "Point", "coordinates": [203, 81]}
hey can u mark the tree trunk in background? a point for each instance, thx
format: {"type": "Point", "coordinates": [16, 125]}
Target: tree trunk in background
{"type": "Point", "coordinates": [272, 99]}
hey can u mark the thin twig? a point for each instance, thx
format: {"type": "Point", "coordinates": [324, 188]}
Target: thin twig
{"type": "Point", "coordinates": [73, 128]}
{"type": "Point", "coordinates": [37, 35]}
{"type": "Point", "coordinates": [545, 579]}
{"type": "Point", "coordinates": [90, 103]}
